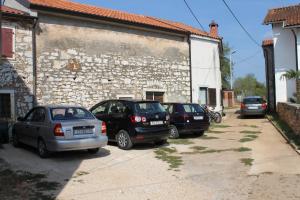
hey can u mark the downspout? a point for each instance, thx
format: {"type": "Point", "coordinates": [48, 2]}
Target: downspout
{"type": "Point", "coordinates": [34, 63]}
{"type": "Point", "coordinates": [190, 57]}
{"type": "Point", "coordinates": [296, 49]}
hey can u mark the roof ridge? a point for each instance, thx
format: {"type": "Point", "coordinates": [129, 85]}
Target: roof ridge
{"type": "Point", "coordinates": [286, 7]}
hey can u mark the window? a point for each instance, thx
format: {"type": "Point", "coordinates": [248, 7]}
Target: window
{"type": "Point", "coordinates": [70, 113]}
{"type": "Point", "coordinates": [203, 96]}
{"type": "Point", "coordinates": [192, 108]}
{"type": "Point", "coordinates": [101, 109]}
{"type": "Point", "coordinates": [212, 97]}
{"type": "Point", "coordinates": [7, 42]}
{"type": "Point", "coordinates": [5, 106]}
{"type": "Point", "coordinates": [38, 115]}
{"type": "Point", "coordinates": [155, 96]}
{"type": "Point", "coordinates": [169, 108]}
{"type": "Point", "coordinates": [146, 107]}
{"type": "Point", "coordinates": [117, 107]}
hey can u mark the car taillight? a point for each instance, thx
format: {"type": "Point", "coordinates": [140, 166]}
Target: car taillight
{"type": "Point", "coordinates": [136, 119]}
{"type": "Point", "coordinates": [144, 119]}
{"type": "Point", "coordinates": [103, 128]}
{"type": "Point", "coordinates": [185, 117]}
{"type": "Point", "coordinates": [58, 130]}
{"type": "Point", "coordinates": [264, 106]}
{"type": "Point", "coordinates": [243, 106]}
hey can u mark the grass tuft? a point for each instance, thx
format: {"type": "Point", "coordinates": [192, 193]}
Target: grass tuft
{"type": "Point", "coordinates": [220, 126]}
{"type": "Point", "coordinates": [165, 154]}
{"type": "Point", "coordinates": [247, 161]}
{"type": "Point", "coordinates": [180, 141]}
{"type": "Point", "coordinates": [205, 137]}
{"type": "Point", "coordinates": [243, 149]}
{"type": "Point", "coordinates": [250, 132]}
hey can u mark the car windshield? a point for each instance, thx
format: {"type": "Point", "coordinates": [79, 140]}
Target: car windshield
{"type": "Point", "coordinates": [253, 101]}
{"type": "Point", "coordinates": [192, 108]}
{"type": "Point", "coordinates": [149, 107]}
{"type": "Point", "coordinates": [70, 113]}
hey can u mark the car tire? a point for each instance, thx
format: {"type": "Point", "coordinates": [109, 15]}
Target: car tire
{"type": "Point", "coordinates": [173, 132]}
{"type": "Point", "coordinates": [93, 151]}
{"type": "Point", "coordinates": [15, 140]}
{"type": "Point", "coordinates": [200, 133]}
{"type": "Point", "coordinates": [161, 142]}
{"type": "Point", "coordinates": [218, 118]}
{"type": "Point", "coordinates": [42, 149]}
{"type": "Point", "coordinates": [123, 140]}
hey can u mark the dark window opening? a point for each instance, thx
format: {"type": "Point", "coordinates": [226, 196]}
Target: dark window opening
{"type": "Point", "coordinates": [212, 96]}
{"type": "Point", "coordinates": [155, 96]}
{"type": "Point", "coordinates": [5, 106]}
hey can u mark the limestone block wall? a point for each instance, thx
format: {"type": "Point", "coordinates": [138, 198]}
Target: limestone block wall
{"type": "Point", "coordinates": [82, 62]}
{"type": "Point", "coordinates": [290, 114]}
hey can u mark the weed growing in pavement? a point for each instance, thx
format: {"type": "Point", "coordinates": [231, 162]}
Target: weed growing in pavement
{"type": "Point", "coordinates": [251, 136]}
{"type": "Point", "coordinates": [166, 154]}
{"type": "Point", "coordinates": [246, 139]}
{"type": "Point", "coordinates": [180, 141]}
{"type": "Point", "coordinates": [243, 149]}
{"type": "Point", "coordinates": [205, 137]}
{"type": "Point", "coordinates": [215, 132]}
{"type": "Point", "coordinates": [250, 132]}
{"type": "Point", "coordinates": [247, 161]}
{"type": "Point", "coordinates": [219, 126]}
{"type": "Point", "coordinates": [80, 173]}
{"type": "Point", "coordinates": [251, 126]}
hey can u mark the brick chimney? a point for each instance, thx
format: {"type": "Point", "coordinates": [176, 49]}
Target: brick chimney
{"type": "Point", "coordinates": [213, 29]}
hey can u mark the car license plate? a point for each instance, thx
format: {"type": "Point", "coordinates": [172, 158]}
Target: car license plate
{"type": "Point", "coordinates": [198, 117]}
{"type": "Point", "coordinates": [153, 123]}
{"type": "Point", "coordinates": [83, 132]}
{"type": "Point", "coordinates": [253, 108]}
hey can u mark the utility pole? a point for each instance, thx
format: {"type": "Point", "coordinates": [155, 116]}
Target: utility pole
{"type": "Point", "coordinates": [231, 70]}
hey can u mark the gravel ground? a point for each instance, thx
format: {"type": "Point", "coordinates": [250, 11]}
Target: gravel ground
{"type": "Point", "coordinates": [241, 159]}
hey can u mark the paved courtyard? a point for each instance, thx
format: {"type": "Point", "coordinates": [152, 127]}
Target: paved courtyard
{"type": "Point", "coordinates": [239, 159]}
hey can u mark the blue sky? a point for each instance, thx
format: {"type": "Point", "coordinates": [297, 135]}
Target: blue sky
{"type": "Point", "coordinates": [250, 12]}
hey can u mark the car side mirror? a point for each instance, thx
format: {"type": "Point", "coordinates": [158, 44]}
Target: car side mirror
{"type": "Point", "coordinates": [20, 119]}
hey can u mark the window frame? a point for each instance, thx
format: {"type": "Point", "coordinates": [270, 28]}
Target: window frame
{"type": "Point", "coordinates": [12, 102]}
{"type": "Point", "coordinates": [13, 28]}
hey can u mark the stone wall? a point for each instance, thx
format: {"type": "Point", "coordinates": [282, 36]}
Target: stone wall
{"type": "Point", "coordinates": [17, 73]}
{"type": "Point", "coordinates": [290, 114]}
{"type": "Point", "coordinates": [81, 62]}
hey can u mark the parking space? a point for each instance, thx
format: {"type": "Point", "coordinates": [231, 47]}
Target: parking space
{"type": "Point", "coordinates": [238, 159]}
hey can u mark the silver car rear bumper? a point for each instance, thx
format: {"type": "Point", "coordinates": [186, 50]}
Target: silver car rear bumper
{"type": "Point", "coordinates": [77, 144]}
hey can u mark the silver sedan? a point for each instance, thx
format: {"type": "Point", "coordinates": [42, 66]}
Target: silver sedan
{"type": "Point", "coordinates": [60, 128]}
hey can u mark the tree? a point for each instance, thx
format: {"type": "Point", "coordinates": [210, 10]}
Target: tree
{"type": "Point", "coordinates": [249, 86]}
{"type": "Point", "coordinates": [293, 74]}
{"type": "Point", "coordinates": [225, 66]}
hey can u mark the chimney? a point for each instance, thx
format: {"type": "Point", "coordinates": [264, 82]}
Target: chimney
{"type": "Point", "coordinates": [213, 29]}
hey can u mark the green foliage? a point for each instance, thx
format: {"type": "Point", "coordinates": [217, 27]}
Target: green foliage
{"type": "Point", "coordinates": [225, 66]}
{"type": "Point", "coordinates": [291, 74]}
{"type": "Point", "coordinates": [249, 86]}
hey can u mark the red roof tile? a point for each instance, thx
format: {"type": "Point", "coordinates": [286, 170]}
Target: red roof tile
{"type": "Point", "coordinates": [267, 42]}
{"type": "Point", "coordinates": [289, 15]}
{"type": "Point", "coordinates": [10, 10]}
{"type": "Point", "coordinates": [68, 5]}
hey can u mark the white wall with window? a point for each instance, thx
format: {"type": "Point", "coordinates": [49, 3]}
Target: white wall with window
{"type": "Point", "coordinates": [206, 74]}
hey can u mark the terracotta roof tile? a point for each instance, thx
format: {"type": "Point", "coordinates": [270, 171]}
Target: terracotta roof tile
{"type": "Point", "coordinates": [68, 5]}
{"type": "Point", "coordinates": [9, 10]}
{"type": "Point", "coordinates": [267, 42]}
{"type": "Point", "coordinates": [289, 15]}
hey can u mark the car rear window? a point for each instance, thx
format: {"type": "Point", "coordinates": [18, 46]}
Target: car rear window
{"type": "Point", "coordinates": [148, 107]}
{"type": "Point", "coordinates": [70, 113]}
{"type": "Point", "coordinates": [253, 101]}
{"type": "Point", "coordinates": [192, 108]}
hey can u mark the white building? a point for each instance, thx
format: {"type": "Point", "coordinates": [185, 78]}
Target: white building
{"type": "Point", "coordinates": [286, 44]}
{"type": "Point", "coordinates": [206, 73]}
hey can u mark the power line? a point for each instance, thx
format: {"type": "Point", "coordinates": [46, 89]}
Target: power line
{"type": "Point", "coordinates": [238, 21]}
{"type": "Point", "coordinates": [248, 58]}
{"type": "Point", "coordinates": [191, 11]}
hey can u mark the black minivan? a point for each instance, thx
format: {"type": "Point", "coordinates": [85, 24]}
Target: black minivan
{"type": "Point", "coordinates": [131, 121]}
{"type": "Point", "coordinates": [186, 118]}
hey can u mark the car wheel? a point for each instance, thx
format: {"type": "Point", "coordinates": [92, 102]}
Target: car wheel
{"type": "Point", "coordinates": [218, 118]}
{"type": "Point", "coordinates": [15, 140]}
{"type": "Point", "coordinates": [200, 133]}
{"type": "Point", "coordinates": [123, 140]}
{"type": "Point", "coordinates": [93, 151]}
{"type": "Point", "coordinates": [42, 149]}
{"type": "Point", "coordinates": [173, 132]}
{"type": "Point", "coordinates": [161, 142]}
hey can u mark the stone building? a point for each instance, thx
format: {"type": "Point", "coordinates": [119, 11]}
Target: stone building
{"type": "Point", "coordinates": [73, 53]}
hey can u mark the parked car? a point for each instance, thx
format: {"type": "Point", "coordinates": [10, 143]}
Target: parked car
{"type": "Point", "coordinates": [253, 105]}
{"type": "Point", "coordinates": [132, 121]}
{"type": "Point", "coordinates": [186, 118]}
{"type": "Point", "coordinates": [60, 128]}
